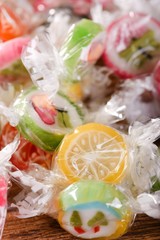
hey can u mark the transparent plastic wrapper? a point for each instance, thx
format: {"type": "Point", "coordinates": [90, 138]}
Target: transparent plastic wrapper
{"type": "Point", "coordinates": [59, 34]}
{"type": "Point", "coordinates": [96, 181]}
{"type": "Point", "coordinates": [98, 85]}
{"type": "Point", "coordinates": [113, 9]}
{"type": "Point", "coordinates": [50, 66]}
{"type": "Point", "coordinates": [20, 21]}
{"type": "Point", "coordinates": [11, 24]}
{"type": "Point", "coordinates": [43, 113]}
{"type": "Point", "coordinates": [26, 152]}
{"type": "Point", "coordinates": [132, 37]}
{"type": "Point", "coordinates": [5, 166]}
{"type": "Point", "coordinates": [45, 121]}
{"type": "Point", "coordinates": [133, 100]}
{"type": "Point", "coordinates": [146, 167]}
{"type": "Point", "coordinates": [137, 49]}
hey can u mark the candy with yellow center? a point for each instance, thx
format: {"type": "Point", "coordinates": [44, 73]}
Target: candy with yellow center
{"type": "Point", "coordinates": [93, 151]}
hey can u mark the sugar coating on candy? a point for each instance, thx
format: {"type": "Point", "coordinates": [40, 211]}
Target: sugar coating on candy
{"type": "Point", "coordinates": [92, 209]}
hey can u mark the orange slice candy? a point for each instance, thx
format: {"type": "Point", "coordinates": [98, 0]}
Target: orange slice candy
{"type": "Point", "coordinates": [93, 151]}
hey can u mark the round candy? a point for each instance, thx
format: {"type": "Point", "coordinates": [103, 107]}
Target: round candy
{"type": "Point", "coordinates": [84, 43]}
{"type": "Point", "coordinates": [43, 122]}
{"type": "Point", "coordinates": [132, 45]}
{"type": "Point", "coordinates": [26, 151]}
{"type": "Point", "coordinates": [93, 151]}
{"type": "Point", "coordinates": [92, 209]}
{"type": "Point", "coordinates": [11, 51]}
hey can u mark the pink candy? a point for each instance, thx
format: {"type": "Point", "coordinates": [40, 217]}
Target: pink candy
{"type": "Point", "coordinates": [11, 50]}
{"type": "Point", "coordinates": [3, 192]}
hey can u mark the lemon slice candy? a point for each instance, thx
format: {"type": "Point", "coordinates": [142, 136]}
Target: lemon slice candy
{"type": "Point", "coordinates": [93, 151]}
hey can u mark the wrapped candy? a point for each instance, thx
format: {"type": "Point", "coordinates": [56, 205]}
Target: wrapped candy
{"type": "Point", "coordinates": [100, 177]}
{"type": "Point", "coordinates": [45, 122]}
{"type": "Point", "coordinates": [92, 209]}
{"type": "Point", "coordinates": [19, 22]}
{"type": "Point", "coordinates": [11, 25]}
{"type": "Point", "coordinates": [11, 67]}
{"type": "Point", "coordinates": [68, 64]}
{"type": "Point", "coordinates": [45, 114]}
{"type": "Point", "coordinates": [5, 155]}
{"type": "Point", "coordinates": [132, 45]}
{"type": "Point", "coordinates": [134, 100]}
{"type": "Point", "coordinates": [97, 181]}
{"type": "Point", "coordinates": [84, 43]}
{"type": "Point", "coordinates": [26, 151]}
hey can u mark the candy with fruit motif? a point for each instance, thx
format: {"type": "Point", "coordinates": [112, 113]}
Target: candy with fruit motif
{"type": "Point", "coordinates": [93, 151]}
{"type": "Point", "coordinates": [45, 121]}
{"type": "Point", "coordinates": [132, 45]}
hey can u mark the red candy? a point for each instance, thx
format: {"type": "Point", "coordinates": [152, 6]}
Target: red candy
{"type": "Point", "coordinates": [132, 45]}
{"type": "Point", "coordinates": [26, 152]}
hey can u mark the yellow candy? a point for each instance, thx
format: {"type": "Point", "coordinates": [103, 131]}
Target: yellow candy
{"type": "Point", "coordinates": [93, 151]}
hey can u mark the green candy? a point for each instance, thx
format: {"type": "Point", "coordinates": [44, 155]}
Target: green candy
{"type": "Point", "coordinates": [44, 123]}
{"type": "Point", "coordinates": [92, 209]}
{"type": "Point", "coordinates": [79, 37]}
{"type": "Point", "coordinates": [89, 191]}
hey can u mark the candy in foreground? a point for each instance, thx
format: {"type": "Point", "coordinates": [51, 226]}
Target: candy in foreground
{"type": "Point", "coordinates": [45, 122]}
{"type": "Point", "coordinates": [84, 43]}
{"type": "Point", "coordinates": [133, 45]}
{"type": "Point", "coordinates": [93, 151]}
{"type": "Point", "coordinates": [93, 209]}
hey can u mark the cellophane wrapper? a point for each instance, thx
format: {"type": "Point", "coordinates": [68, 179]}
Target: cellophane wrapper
{"type": "Point", "coordinates": [5, 155]}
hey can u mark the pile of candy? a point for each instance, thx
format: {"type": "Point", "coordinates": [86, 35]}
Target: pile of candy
{"type": "Point", "coordinates": [79, 112]}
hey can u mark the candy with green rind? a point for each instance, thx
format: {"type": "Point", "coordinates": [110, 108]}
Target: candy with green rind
{"type": "Point", "coordinates": [80, 36]}
{"type": "Point", "coordinates": [92, 209]}
{"type": "Point", "coordinates": [45, 123]}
